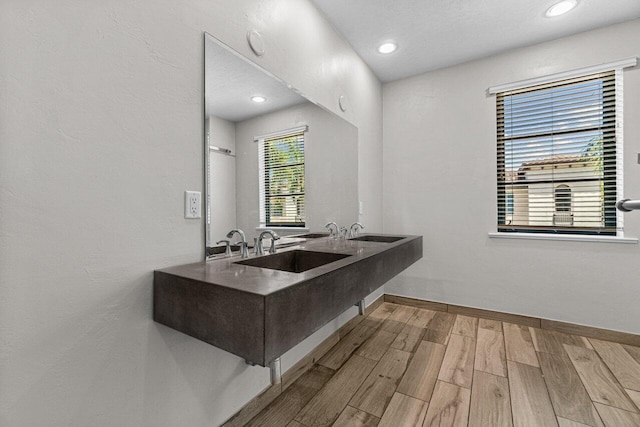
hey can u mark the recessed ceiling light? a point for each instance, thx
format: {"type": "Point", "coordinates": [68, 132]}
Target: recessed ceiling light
{"type": "Point", "coordinates": [387, 47]}
{"type": "Point", "coordinates": [258, 99]}
{"type": "Point", "coordinates": [561, 8]}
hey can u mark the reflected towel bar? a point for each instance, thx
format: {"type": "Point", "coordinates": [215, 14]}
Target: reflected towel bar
{"type": "Point", "coordinates": [224, 151]}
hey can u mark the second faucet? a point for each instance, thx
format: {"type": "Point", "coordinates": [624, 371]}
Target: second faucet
{"type": "Point", "coordinates": [272, 249]}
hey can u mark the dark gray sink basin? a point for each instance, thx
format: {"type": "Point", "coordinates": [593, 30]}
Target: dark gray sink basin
{"type": "Point", "coordinates": [295, 261]}
{"type": "Point", "coordinates": [379, 239]}
{"type": "Point", "coordinates": [313, 235]}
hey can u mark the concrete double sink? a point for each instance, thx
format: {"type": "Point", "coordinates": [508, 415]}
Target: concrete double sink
{"type": "Point", "coordinates": [260, 307]}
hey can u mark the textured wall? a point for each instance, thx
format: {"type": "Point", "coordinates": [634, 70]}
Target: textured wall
{"type": "Point", "coordinates": [100, 134]}
{"type": "Point", "coordinates": [440, 181]}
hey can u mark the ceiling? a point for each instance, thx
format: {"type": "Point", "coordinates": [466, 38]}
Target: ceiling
{"type": "Point", "coordinates": [231, 80]}
{"type": "Point", "coordinates": [433, 34]}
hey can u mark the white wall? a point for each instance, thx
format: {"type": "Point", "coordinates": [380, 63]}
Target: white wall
{"type": "Point", "coordinates": [331, 166]}
{"type": "Point", "coordinates": [101, 130]}
{"type": "Point", "coordinates": [440, 181]}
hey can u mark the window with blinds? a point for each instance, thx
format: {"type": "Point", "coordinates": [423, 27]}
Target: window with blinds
{"type": "Point", "coordinates": [558, 162]}
{"type": "Point", "coordinates": [282, 188]}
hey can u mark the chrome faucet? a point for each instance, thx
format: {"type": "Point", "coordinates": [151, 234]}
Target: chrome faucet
{"type": "Point", "coordinates": [355, 229]}
{"type": "Point", "coordinates": [331, 232]}
{"type": "Point", "coordinates": [343, 232]}
{"type": "Point", "coordinates": [244, 247]}
{"type": "Point", "coordinates": [272, 249]}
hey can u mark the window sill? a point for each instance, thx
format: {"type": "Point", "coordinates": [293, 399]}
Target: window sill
{"type": "Point", "coordinates": [564, 237]}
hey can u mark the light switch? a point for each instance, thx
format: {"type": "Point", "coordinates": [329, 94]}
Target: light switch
{"type": "Point", "coordinates": [192, 204]}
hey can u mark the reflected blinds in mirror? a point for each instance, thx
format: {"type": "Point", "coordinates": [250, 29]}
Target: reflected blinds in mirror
{"type": "Point", "coordinates": [282, 179]}
{"type": "Point", "coordinates": [559, 164]}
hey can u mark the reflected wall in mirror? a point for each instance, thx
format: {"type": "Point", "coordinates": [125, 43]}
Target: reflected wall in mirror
{"type": "Point", "coordinates": [254, 175]}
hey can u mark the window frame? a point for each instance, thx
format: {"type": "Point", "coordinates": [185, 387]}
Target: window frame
{"type": "Point", "coordinates": [612, 169]}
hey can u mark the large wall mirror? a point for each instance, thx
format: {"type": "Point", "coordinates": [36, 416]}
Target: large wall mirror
{"type": "Point", "coordinates": [285, 163]}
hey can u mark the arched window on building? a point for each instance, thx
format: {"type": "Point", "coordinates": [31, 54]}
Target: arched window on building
{"type": "Point", "coordinates": [562, 201]}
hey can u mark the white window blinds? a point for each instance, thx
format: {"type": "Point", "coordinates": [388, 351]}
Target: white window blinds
{"type": "Point", "coordinates": [558, 157]}
{"type": "Point", "coordinates": [282, 181]}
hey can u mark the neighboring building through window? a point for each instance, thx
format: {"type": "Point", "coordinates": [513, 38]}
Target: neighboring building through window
{"type": "Point", "coordinates": [282, 180]}
{"type": "Point", "coordinates": [559, 165]}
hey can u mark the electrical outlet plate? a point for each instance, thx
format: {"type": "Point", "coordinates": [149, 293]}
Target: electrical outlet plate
{"type": "Point", "coordinates": [192, 204]}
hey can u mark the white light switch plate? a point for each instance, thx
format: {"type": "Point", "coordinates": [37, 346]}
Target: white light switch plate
{"type": "Point", "coordinates": [192, 204]}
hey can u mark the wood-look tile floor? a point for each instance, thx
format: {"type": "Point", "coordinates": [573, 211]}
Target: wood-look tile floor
{"type": "Point", "coordinates": [404, 366]}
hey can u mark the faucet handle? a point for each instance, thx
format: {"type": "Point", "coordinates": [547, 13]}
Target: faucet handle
{"type": "Point", "coordinates": [274, 237]}
{"type": "Point", "coordinates": [227, 251]}
{"type": "Point", "coordinates": [244, 250]}
{"type": "Point", "coordinates": [343, 232]}
{"type": "Point", "coordinates": [257, 246]}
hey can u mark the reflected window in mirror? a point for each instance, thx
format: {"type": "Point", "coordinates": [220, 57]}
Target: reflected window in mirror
{"type": "Point", "coordinates": [281, 162]}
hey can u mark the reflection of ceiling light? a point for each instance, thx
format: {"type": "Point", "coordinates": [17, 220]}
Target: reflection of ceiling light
{"type": "Point", "coordinates": [561, 8]}
{"type": "Point", "coordinates": [387, 47]}
{"type": "Point", "coordinates": [258, 99]}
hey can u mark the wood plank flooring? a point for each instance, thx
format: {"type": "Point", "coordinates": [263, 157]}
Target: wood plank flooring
{"type": "Point", "coordinates": [408, 366]}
